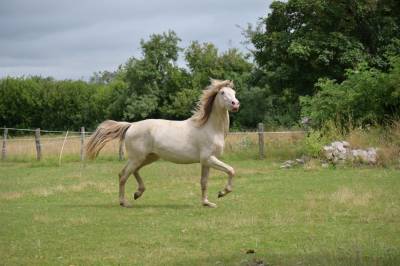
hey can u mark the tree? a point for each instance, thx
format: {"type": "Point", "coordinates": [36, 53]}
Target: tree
{"type": "Point", "coordinates": [155, 86]}
{"type": "Point", "coordinates": [301, 41]}
{"type": "Point", "coordinates": [151, 79]}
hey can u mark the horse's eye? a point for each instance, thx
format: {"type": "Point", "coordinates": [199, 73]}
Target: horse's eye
{"type": "Point", "coordinates": [222, 92]}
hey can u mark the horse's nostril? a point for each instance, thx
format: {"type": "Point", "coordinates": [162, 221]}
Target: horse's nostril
{"type": "Point", "coordinates": [233, 102]}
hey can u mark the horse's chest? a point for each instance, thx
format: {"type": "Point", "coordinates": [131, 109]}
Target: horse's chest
{"type": "Point", "coordinates": [218, 148]}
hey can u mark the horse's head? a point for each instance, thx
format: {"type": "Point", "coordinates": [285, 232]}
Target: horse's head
{"type": "Point", "coordinates": [226, 97]}
{"type": "Point", "coordinates": [219, 93]}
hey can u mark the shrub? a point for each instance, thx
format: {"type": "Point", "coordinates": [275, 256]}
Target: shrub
{"type": "Point", "coordinates": [367, 97]}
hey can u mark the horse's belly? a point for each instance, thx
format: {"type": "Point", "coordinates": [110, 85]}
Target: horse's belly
{"type": "Point", "coordinates": [178, 154]}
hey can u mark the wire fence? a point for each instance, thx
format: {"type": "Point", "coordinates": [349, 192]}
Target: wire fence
{"type": "Point", "coordinates": [39, 144]}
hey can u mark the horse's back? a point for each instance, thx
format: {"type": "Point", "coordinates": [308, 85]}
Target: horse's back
{"type": "Point", "coordinates": [171, 140]}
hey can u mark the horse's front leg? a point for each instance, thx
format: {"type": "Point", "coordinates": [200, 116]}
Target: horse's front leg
{"type": "Point", "coordinates": [205, 170]}
{"type": "Point", "coordinates": [213, 162]}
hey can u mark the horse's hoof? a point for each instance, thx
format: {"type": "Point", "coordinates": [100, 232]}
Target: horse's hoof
{"type": "Point", "coordinates": [125, 205]}
{"type": "Point", "coordinates": [224, 192]}
{"type": "Point", "coordinates": [209, 204]}
{"type": "Point", "coordinates": [137, 195]}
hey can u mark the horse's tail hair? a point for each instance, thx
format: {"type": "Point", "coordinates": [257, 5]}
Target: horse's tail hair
{"type": "Point", "coordinates": [105, 132]}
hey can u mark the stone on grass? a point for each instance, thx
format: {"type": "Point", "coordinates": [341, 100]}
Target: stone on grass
{"type": "Point", "coordinates": [340, 151]}
{"type": "Point", "coordinates": [365, 156]}
{"type": "Point", "coordinates": [288, 164]}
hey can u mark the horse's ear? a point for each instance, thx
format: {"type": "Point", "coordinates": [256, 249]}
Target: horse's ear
{"type": "Point", "coordinates": [231, 84]}
{"type": "Point", "coordinates": [213, 81]}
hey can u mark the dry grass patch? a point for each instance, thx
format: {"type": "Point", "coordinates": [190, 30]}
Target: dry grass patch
{"type": "Point", "coordinates": [43, 192]}
{"type": "Point", "coordinates": [285, 218]}
{"type": "Point", "coordinates": [51, 146]}
{"type": "Point", "coordinates": [312, 164]}
{"type": "Point", "coordinates": [81, 186]}
{"type": "Point", "coordinates": [81, 220]}
{"type": "Point", "coordinates": [101, 187]}
{"type": "Point", "coordinates": [387, 140]}
{"type": "Point", "coordinates": [348, 196]}
{"type": "Point", "coordinates": [11, 195]}
{"type": "Point", "coordinates": [235, 222]}
{"type": "Point", "coordinates": [44, 218]}
{"type": "Point", "coordinates": [320, 206]}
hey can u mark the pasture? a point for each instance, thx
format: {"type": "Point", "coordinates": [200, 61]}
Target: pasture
{"type": "Point", "coordinates": [70, 215]}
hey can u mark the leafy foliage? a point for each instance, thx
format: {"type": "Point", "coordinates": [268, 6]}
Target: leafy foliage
{"type": "Point", "coordinates": [50, 104]}
{"type": "Point", "coordinates": [151, 86]}
{"type": "Point", "coordinates": [368, 96]}
{"type": "Point", "coordinates": [302, 41]}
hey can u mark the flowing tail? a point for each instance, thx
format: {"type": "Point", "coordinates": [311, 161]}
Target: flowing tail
{"type": "Point", "coordinates": [105, 132]}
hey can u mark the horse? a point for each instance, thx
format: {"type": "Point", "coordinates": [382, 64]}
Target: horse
{"type": "Point", "coordinates": [198, 139]}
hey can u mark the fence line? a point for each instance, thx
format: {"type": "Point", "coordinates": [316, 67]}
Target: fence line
{"type": "Point", "coordinates": [38, 139]}
{"type": "Point", "coordinates": [266, 132]}
{"type": "Point", "coordinates": [4, 147]}
{"type": "Point", "coordinates": [62, 148]}
{"type": "Point", "coordinates": [47, 138]}
{"type": "Point", "coordinates": [46, 131]}
{"type": "Point", "coordinates": [90, 132]}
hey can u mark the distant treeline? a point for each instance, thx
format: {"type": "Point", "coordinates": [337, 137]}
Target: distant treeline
{"type": "Point", "coordinates": [332, 61]}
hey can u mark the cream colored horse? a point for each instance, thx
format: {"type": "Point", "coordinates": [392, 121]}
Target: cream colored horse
{"type": "Point", "coordinates": [199, 139]}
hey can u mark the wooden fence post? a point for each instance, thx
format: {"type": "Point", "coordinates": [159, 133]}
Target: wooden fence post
{"type": "Point", "coordinates": [4, 148]}
{"type": "Point", "coordinates": [261, 140]}
{"type": "Point", "coordinates": [38, 146]}
{"type": "Point", "coordinates": [121, 150]}
{"type": "Point", "coordinates": [82, 143]}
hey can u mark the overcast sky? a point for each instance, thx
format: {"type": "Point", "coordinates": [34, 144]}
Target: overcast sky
{"type": "Point", "coordinates": [72, 39]}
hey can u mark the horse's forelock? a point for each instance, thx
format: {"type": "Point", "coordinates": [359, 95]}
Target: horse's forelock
{"type": "Point", "coordinates": [219, 84]}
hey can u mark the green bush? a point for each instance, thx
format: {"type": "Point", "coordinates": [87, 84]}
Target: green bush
{"type": "Point", "coordinates": [367, 97]}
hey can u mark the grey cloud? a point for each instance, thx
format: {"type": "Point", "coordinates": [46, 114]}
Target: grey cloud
{"type": "Point", "coordinates": [72, 39]}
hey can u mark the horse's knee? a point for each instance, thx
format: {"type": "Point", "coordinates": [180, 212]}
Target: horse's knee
{"type": "Point", "coordinates": [122, 180]}
{"type": "Point", "coordinates": [231, 172]}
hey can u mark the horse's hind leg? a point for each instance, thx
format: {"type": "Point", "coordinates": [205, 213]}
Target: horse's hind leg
{"type": "Point", "coordinates": [141, 188]}
{"type": "Point", "coordinates": [123, 177]}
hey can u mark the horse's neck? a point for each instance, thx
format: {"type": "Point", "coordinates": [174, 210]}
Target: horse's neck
{"type": "Point", "coordinates": [219, 120]}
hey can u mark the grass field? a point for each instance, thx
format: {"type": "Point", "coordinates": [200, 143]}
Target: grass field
{"type": "Point", "coordinates": [70, 215]}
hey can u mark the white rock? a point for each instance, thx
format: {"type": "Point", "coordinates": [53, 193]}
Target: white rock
{"type": "Point", "coordinates": [366, 156]}
{"type": "Point", "coordinates": [346, 144]}
{"type": "Point", "coordinates": [339, 151]}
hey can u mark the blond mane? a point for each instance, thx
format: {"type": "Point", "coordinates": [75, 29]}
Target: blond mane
{"type": "Point", "coordinates": [203, 110]}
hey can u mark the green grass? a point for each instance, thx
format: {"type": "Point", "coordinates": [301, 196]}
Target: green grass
{"type": "Point", "coordinates": [70, 215]}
